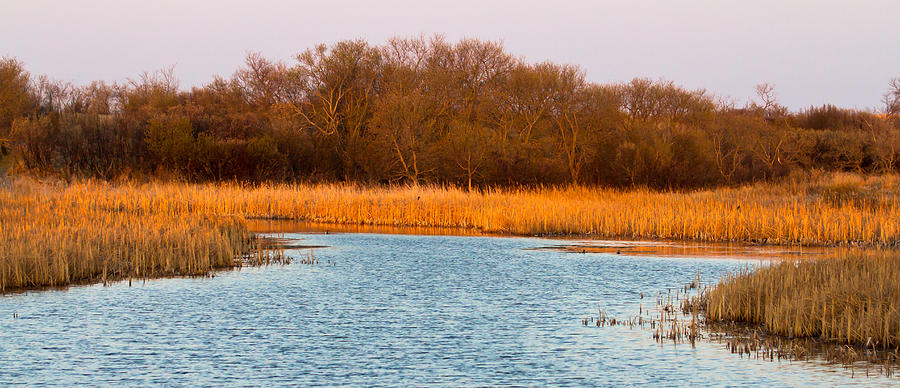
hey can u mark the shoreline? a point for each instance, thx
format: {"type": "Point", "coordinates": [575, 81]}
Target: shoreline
{"type": "Point", "coordinates": [294, 225]}
{"type": "Point", "coordinates": [59, 232]}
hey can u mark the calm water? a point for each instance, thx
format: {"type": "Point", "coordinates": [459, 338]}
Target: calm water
{"type": "Point", "coordinates": [394, 310]}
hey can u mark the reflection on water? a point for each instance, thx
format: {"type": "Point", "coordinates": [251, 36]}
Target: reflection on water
{"type": "Point", "coordinates": [688, 249]}
{"type": "Point", "coordinates": [383, 309]}
{"type": "Point", "coordinates": [294, 226]}
{"type": "Point", "coordinates": [576, 244]}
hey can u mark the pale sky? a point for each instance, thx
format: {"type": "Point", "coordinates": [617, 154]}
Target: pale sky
{"type": "Point", "coordinates": [813, 52]}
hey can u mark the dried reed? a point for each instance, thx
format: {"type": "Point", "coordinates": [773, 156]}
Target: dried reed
{"type": "Point", "coordinates": [56, 233]}
{"type": "Point", "coordinates": [840, 209]}
{"type": "Point", "coordinates": [52, 234]}
{"type": "Point", "coordinates": [852, 300]}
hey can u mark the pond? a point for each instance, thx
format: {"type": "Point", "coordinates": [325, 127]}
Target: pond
{"type": "Point", "coordinates": [385, 309]}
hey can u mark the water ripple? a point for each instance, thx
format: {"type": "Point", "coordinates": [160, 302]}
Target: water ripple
{"type": "Point", "coordinates": [394, 310]}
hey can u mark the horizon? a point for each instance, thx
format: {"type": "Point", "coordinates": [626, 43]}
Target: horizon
{"type": "Point", "coordinates": [830, 54]}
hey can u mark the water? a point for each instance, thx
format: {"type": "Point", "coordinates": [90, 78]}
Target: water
{"type": "Point", "coordinates": [393, 310]}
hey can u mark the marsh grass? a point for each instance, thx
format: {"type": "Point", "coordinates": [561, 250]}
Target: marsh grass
{"type": "Point", "coordinates": [833, 310]}
{"type": "Point", "coordinates": [853, 300]}
{"type": "Point", "coordinates": [53, 234]}
{"type": "Point", "coordinates": [843, 309]}
{"type": "Point", "coordinates": [836, 209]}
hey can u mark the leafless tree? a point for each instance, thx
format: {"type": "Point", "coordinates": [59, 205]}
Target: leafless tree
{"type": "Point", "coordinates": [891, 99]}
{"type": "Point", "coordinates": [568, 102]}
{"type": "Point", "coordinates": [768, 98]}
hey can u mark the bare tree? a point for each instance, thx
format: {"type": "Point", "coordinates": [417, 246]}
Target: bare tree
{"type": "Point", "coordinates": [766, 94]}
{"type": "Point", "coordinates": [891, 99]}
{"type": "Point", "coordinates": [768, 147]}
{"type": "Point", "coordinates": [151, 91]}
{"type": "Point", "coordinates": [261, 81]}
{"type": "Point", "coordinates": [337, 86]}
{"type": "Point", "coordinates": [407, 116]}
{"type": "Point", "coordinates": [768, 98]}
{"type": "Point", "coordinates": [477, 68]}
{"type": "Point", "coordinates": [568, 102]}
{"type": "Point", "coordinates": [529, 94]}
{"type": "Point", "coordinates": [336, 100]}
{"type": "Point", "coordinates": [727, 156]}
{"type": "Point", "coordinates": [887, 151]}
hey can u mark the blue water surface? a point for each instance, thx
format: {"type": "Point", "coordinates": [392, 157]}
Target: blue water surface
{"type": "Point", "coordinates": [383, 309]}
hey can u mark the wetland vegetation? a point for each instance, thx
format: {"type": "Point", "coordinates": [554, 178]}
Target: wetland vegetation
{"type": "Point", "coordinates": [142, 179]}
{"type": "Point", "coordinates": [53, 234]}
{"type": "Point", "coordinates": [850, 300]}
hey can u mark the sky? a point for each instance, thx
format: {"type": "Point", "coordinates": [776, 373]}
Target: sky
{"type": "Point", "coordinates": [813, 52]}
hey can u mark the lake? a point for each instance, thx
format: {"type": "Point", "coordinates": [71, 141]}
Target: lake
{"type": "Point", "coordinates": [385, 309]}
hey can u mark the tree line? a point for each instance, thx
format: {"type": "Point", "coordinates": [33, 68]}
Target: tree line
{"type": "Point", "coordinates": [425, 110]}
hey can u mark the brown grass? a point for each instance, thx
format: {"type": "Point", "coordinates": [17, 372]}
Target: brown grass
{"type": "Point", "coordinates": [55, 234]}
{"type": "Point", "coordinates": [827, 210]}
{"type": "Point", "coordinates": [853, 300]}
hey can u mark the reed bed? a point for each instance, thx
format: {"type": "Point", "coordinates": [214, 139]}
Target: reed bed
{"type": "Point", "coordinates": [695, 312]}
{"type": "Point", "coordinates": [837, 209]}
{"type": "Point", "coordinates": [853, 300]}
{"type": "Point", "coordinates": [53, 234]}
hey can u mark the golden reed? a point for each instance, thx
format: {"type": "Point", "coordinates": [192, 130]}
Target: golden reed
{"type": "Point", "coordinates": [56, 233]}
{"type": "Point", "coordinates": [839, 209]}
{"type": "Point", "coordinates": [853, 300]}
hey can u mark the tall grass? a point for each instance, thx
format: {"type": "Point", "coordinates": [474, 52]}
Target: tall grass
{"type": "Point", "coordinates": [56, 234]}
{"type": "Point", "coordinates": [828, 210]}
{"type": "Point", "coordinates": [853, 300]}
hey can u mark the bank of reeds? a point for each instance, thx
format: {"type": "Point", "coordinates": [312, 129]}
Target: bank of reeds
{"type": "Point", "coordinates": [838, 209]}
{"type": "Point", "coordinates": [852, 300]}
{"type": "Point", "coordinates": [56, 234]}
